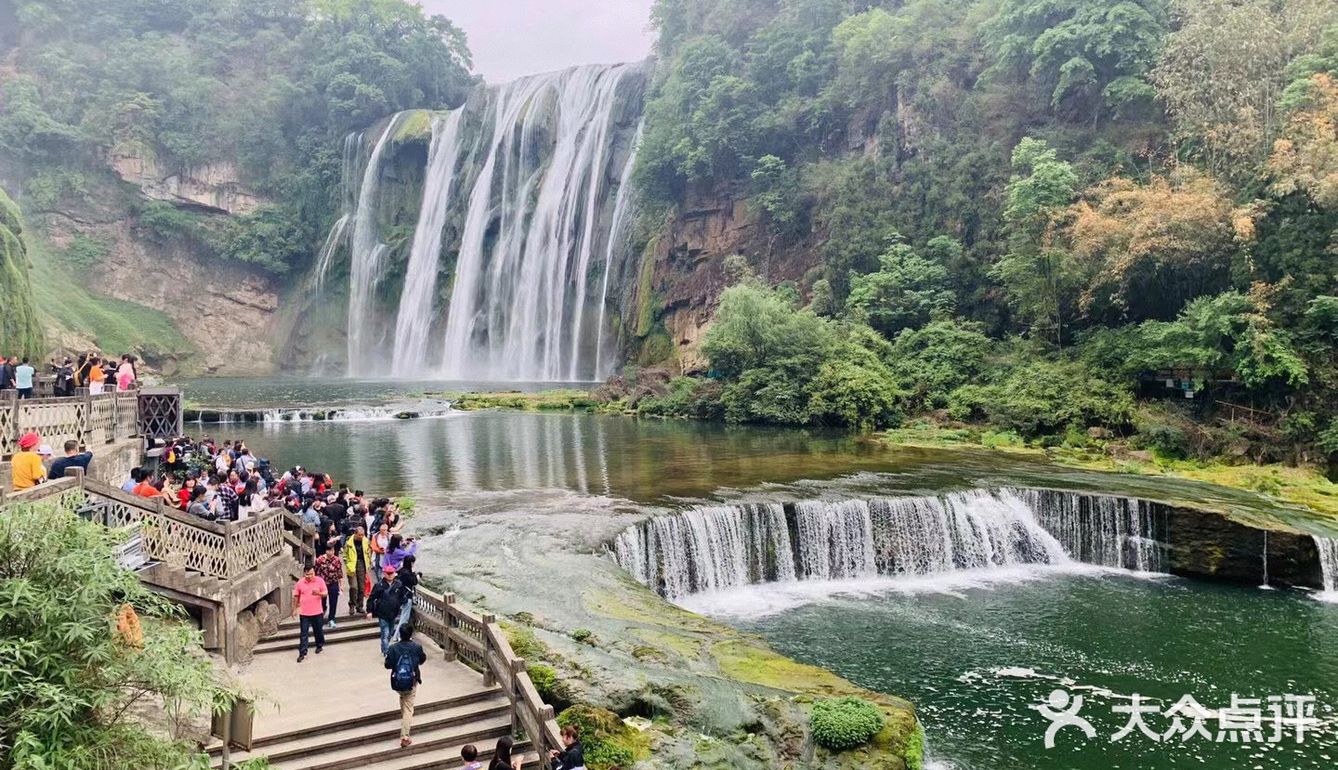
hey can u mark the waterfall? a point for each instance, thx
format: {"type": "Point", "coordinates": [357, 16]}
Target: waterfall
{"type": "Point", "coordinates": [705, 549]}
{"type": "Point", "coordinates": [366, 253]}
{"type": "Point", "coordinates": [620, 208]}
{"type": "Point", "coordinates": [420, 282]}
{"type": "Point", "coordinates": [353, 144]}
{"type": "Point", "coordinates": [517, 305]}
{"type": "Point", "coordinates": [1328, 562]}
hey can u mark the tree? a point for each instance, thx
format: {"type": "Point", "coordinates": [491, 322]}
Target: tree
{"type": "Point", "coordinates": [1151, 247]}
{"type": "Point", "coordinates": [906, 292]}
{"type": "Point", "coordinates": [931, 362]}
{"type": "Point", "coordinates": [1041, 278]}
{"type": "Point", "coordinates": [1224, 69]}
{"type": "Point", "coordinates": [1089, 55]}
{"type": "Point", "coordinates": [1305, 158]}
{"type": "Point", "coordinates": [69, 682]}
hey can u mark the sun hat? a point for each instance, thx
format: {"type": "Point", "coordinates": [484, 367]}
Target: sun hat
{"type": "Point", "coordinates": [45, 450]}
{"type": "Point", "coordinates": [29, 440]}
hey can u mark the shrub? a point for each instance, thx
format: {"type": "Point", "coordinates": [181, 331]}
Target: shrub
{"type": "Point", "coordinates": [544, 678]}
{"type": "Point", "coordinates": [584, 636]}
{"type": "Point", "coordinates": [609, 743]}
{"type": "Point", "coordinates": [844, 723]}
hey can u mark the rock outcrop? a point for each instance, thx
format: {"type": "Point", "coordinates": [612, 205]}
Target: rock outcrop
{"type": "Point", "coordinates": [213, 186]}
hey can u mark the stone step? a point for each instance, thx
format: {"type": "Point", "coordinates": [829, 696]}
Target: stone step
{"type": "Point", "coordinates": [448, 758]}
{"type": "Point", "coordinates": [432, 707]}
{"type": "Point", "coordinates": [383, 733]}
{"type": "Point", "coordinates": [425, 741]}
{"type": "Point", "coordinates": [338, 636]}
{"type": "Point", "coordinates": [291, 630]}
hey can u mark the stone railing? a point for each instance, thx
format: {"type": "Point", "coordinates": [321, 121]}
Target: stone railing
{"type": "Point", "coordinates": [87, 419]}
{"type": "Point", "coordinates": [479, 643]}
{"type": "Point", "coordinates": [222, 550]}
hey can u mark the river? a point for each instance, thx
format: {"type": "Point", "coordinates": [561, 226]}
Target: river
{"type": "Point", "coordinates": [975, 653]}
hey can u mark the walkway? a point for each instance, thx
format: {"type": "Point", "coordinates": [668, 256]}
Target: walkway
{"type": "Point", "coordinates": [336, 710]}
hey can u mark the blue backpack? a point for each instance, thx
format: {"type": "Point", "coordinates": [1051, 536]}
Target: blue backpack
{"type": "Point", "coordinates": [404, 676]}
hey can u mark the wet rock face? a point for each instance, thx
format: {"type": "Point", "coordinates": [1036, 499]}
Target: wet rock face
{"type": "Point", "coordinates": [1206, 545]}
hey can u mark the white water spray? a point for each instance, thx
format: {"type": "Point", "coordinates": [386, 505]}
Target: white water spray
{"type": "Point", "coordinates": [366, 254]}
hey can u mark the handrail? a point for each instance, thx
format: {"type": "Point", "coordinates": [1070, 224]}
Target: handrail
{"type": "Point", "coordinates": [479, 643]}
{"type": "Point", "coordinates": [83, 417]}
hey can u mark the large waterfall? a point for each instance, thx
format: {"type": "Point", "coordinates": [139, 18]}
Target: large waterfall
{"type": "Point", "coordinates": [507, 273]}
{"type": "Point", "coordinates": [710, 548]}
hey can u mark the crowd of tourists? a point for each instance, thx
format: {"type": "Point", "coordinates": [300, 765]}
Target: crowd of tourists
{"type": "Point", "coordinates": [89, 371]}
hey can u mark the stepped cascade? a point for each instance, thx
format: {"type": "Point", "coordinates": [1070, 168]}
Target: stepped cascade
{"type": "Point", "coordinates": [517, 240]}
{"type": "Point", "coordinates": [711, 548]}
{"type": "Point", "coordinates": [1328, 562]}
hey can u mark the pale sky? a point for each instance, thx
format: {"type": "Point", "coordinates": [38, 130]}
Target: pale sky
{"type": "Point", "coordinates": [510, 38]}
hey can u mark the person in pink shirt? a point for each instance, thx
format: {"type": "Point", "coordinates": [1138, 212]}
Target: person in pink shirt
{"type": "Point", "coordinates": [125, 374]}
{"type": "Point", "coordinates": [310, 611]}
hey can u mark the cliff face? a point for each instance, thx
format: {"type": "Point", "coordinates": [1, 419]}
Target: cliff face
{"type": "Point", "coordinates": [215, 187]}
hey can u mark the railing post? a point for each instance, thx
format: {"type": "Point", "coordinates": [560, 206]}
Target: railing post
{"type": "Point", "coordinates": [11, 405]}
{"type": "Point", "coordinates": [545, 713]}
{"type": "Point", "coordinates": [518, 700]}
{"type": "Point", "coordinates": [452, 652]}
{"type": "Point", "coordinates": [85, 431]}
{"type": "Point", "coordinates": [489, 676]}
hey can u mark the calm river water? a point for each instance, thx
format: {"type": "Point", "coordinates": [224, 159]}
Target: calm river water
{"type": "Point", "coordinates": [976, 659]}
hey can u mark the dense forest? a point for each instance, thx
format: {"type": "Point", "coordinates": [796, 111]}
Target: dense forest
{"type": "Point", "coordinates": [1062, 219]}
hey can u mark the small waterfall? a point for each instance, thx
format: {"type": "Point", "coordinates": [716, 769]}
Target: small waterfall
{"type": "Point", "coordinates": [366, 252]}
{"type": "Point", "coordinates": [710, 548]}
{"type": "Point", "coordinates": [420, 282]}
{"type": "Point", "coordinates": [603, 365]}
{"type": "Point", "coordinates": [353, 144]}
{"type": "Point", "coordinates": [1328, 563]}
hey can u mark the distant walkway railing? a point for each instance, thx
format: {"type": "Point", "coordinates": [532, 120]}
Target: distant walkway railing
{"type": "Point", "coordinates": [225, 551]}
{"type": "Point", "coordinates": [91, 420]}
{"type": "Point", "coordinates": [479, 643]}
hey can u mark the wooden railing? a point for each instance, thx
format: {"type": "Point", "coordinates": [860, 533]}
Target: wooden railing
{"type": "Point", "coordinates": [222, 550]}
{"type": "Point", "coordinates": [478, 642]}
{"type": "Point", "coordinates": [87, 419]}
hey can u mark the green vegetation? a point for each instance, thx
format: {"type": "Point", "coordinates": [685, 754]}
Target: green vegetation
{"type": "Point", "coordinates": [548, 400]}
{"type": "Point", "coordinates": [71, 685]}
{"type": "Point", "coordinates": [609, 743]}
{"type": "Point", "coordinates": [1031, 219]}
{"type": "Point", "coordinates": [19, 327]}
{"type": "Point", "coordinates": [844, 723]}
{"type": "Point", "coordinates": [269, 88]}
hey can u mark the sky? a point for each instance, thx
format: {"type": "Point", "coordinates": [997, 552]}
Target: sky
{"type": "Point", "coordinates": [510, 38]}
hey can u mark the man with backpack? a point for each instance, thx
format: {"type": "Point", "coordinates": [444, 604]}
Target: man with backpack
{"type": "Point", "coordinates": [404, 660]}
{"type": "Point", "coordinates": [388, 597]}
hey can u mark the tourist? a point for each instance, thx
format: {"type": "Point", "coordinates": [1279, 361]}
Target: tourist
{"type": "Point", "coordinates": [7, 367]}
{"type": "Point", "coordinates": [398, 547]}
{"type": "Point", "coordinates": [501, 756]}
{"type": "Point", "coordinates": [186, 494]}
{"type": "Point", "coordinates": [47, 454]}
{"type": "Point", "coordinates": [573, 756]}
{"type": "Point", "coordinates": [23, 378]}
{"type": "Point", "coordinates": [73, 459]}
{"type": "Point", "coordinates": [330, 568]}
{"type": "Point", "coordinates": [357, 565]}
{"type": "Point", "coordinates": [229, 501]}
{"type": "Point", "coordinates": [26, 469]}
{"type": "Point", "coordinates": [136, 476]}
{"type": "Point", "coordinates": [405, 659]}
{"type": "Point", "coordinates": [408, 579]}
{"type": "Point", "coordinates": [201, 504]}
{"type": "Point", "coordinates": [384, 604]}
{"type": "Point", "coordinates": [380, 542]}
{"type": "Point", "coordinates": [125, 373]}
{"type": "Point", "coordinates": [64, 386]}
{"type": "Point", "coordinates": [96, 377]}
{"type": "Point", "coordinates": [308, 594]}
{"type": "Point", "coordinates": [145, 487]}
{"type": "Point", "coordinates": [81, 368]}
{"type": "Point", "coordinates": [470, 754]}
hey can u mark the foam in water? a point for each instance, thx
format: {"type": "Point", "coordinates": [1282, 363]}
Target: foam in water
{"type": "Point", "coordinates": [1328, 563]}
{"type": "Point", "coordinates": [975, 533]}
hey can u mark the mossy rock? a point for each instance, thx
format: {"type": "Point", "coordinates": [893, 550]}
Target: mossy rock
{"type": "Point", "coordinates": [609, 743]}
{"type": "Point", "coordinates": [838, 724]}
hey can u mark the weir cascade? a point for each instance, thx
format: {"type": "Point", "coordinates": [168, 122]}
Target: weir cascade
{"type": "Point", "coordinates": [719, 547]}
{"type": "Point", "coordinates": [508, 264]}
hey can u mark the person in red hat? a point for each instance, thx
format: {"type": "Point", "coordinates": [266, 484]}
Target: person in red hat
{"type": "Point", "coordinates": [26, 465]}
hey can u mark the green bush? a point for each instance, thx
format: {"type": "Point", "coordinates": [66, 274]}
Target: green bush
{"type": "Point", "coordinates": [844, 723]}
{"type": "Point", "coordinates": [609, 743]}
{"type": "Point", "coordinates": [544, 678]}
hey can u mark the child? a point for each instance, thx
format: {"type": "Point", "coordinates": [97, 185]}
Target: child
{"type": "Point", "coordinates": [470, 754]}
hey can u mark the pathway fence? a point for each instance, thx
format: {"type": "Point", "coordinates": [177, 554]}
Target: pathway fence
{"type": "Point", "coordinates": [478, 642]}
{"type": "Point", "coordinates": [90, 420]}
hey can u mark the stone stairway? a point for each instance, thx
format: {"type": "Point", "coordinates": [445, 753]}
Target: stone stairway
{"type": "Point", "coordinates": [335, 711]}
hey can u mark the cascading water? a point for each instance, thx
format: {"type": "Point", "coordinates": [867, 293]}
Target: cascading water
{"type": "Point", "coordinates": [519, 232]}
{"type": "Point", "coordinates": [348, 194]}
{"type": "Point", "coordinates": [1328, 564]}
{"type": "Point", "coordinates": [366, 251]}
{"type": "Point", "coordinates": [517, 306]}
{"type": "Point", "coordinates": [707, 549]}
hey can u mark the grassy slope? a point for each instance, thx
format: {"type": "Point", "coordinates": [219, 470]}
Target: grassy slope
{"type": "Point", "coordinates": [114, 325]}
